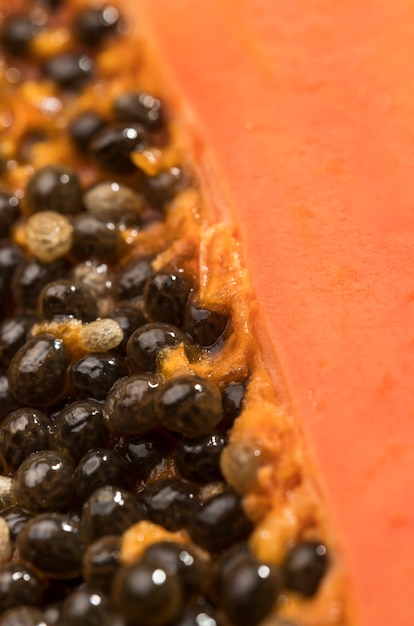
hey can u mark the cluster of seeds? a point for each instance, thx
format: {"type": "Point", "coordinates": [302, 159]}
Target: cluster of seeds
{"type": "Point", "coordinates": [95, 437]}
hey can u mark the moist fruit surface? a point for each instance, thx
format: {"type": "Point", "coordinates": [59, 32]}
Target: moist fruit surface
{"type": "Point", "coordinates": [151, 472]}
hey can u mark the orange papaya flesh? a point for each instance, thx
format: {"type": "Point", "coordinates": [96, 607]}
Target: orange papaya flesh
{"type": "Point", "coordinates": [308, 110]}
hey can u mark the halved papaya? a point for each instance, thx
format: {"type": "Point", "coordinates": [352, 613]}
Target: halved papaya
{"type": "Point", "coordinates": [281, 134]}
{"type": "Point", "coordinates": [306, 110]}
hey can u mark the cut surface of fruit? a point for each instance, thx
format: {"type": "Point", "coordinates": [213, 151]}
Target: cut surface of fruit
{"type": "Point", "coordinates": [308, 109]}
{"type": "Point", "coordinates": [153, 154]}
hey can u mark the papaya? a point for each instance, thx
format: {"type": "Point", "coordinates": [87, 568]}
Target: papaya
{"type": "Point", "coordinates": [197, 323]}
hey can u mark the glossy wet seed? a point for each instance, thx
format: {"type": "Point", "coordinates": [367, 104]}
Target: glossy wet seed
{"type": "Point", "coordinates": [129, 407]}
{"type": "Point", "coordinates": [198, 459]}
{"type": "Point", "coordinates": [79, 427]}
{"type": "Point", "coordinates": [232, 400]}
{"type": "Point", "coordinates": [305, 566]}
{"type": "Point", "coordinates": [69, 70]}
{"type": "Point", "coordinates": [189, 405]}
{"type": "Point", "coordinates": [93, 375]}
{"type": "Point", "coordinates": [161, 188]}
{"type": "Point", "coordinates": [15, 518]}
{"type": "Point", "coordinates": [140, 107]}
{"type": "Point", "coordinates": [100, 467]}
{"type": "Point", "coordinates": [19, 584]}
{"type": "Point", "coordinates": [147, 345]}
{"type": "Point", "coordinates": [101, 562]}
{"type": "Point", "coordinates": [10, 258]}
{"type": "Point", "coordinates": [14, 332]}
{"type": "Point", "coordinates": [144, 453]}
{"type": "Point", "coordinates": [93, 25]}
{"type": "Point", "coordinates": [113, 145]}
{"type": "Point", "coordinates": [84, 127]}
{"type": "Point", "coordinates": [54, 188]}
{"type": "Point", "coordinates": [129, 317]}
{"type": "Point", "coordinates": [9, 211]}
{"type": "Point", "coordinates": [51, 614]}
{"type": "Point", "coordinates": [89, 607]}
{"type": "Point", "coordinates": [23, 616]}
{"type": "Point", "coordinates": [23, 432]}
{"type": "Point", "coordinates": [131, 280]}
{"type": "Point", "coordinates": [197, 616]}
{"type": "Point", "coordinates": [44, 482]}
{"type": "Point", "coordinates": [145, 593]}
{"type": "Point", "coordinates": [184, 560]}
{"type": "Point", "coordinates": [219, 522]}
{"type": "Point", "coordinates": [17, 34]}
{"type": "Point", "coordinates": [54, 544]}
{"type": "Point", "coordinates": [8, 402]}
{"type": "Point", "coordinates": [170, 502]}
{"type": "Point", "coordinates": [165, 296]}
{"type": "Point", "coordinates": [67, 298]}
{"type": "Point", "coordinates": [37, 372]}
{"type": "Point", "coordinates": [205, 326]}
{"type": "Point", "coordinates": [110, 511]}
{"type": "Point", "coordinates": [229, 558]}
{"type": "Point", "coordinates": [249, 591]}
{"type": "Point", "coordinates": [95, 238]}
{"type": "Point", "coordinates": [30, 277]}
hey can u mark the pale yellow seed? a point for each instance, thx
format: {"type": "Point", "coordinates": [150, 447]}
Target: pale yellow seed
{"type": "Point", "coordinates": [94, 276]}
{"type": "Point", "coordinates": [48, 235]}
{"type": "Point", "coordinates": [211, 489]}
{"type": "Point", "coordinates": [7, 492]}
{"type": "Point", "coordinates": [239, 463]}
{"type": "Point", "coordinates": [112, 201]}
{"type": "Point", "coordinates": [5, 544]}
{"type": "Point", "coordinates": [100, 336]}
